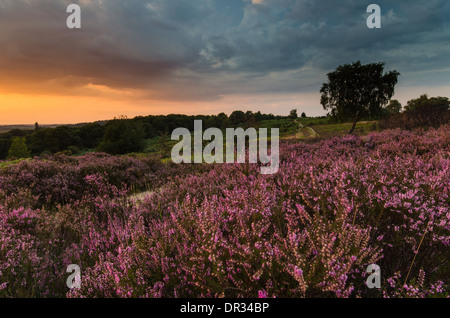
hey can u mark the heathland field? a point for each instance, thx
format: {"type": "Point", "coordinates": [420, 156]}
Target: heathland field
{"type": "Point", "coordinates": [214, 152]}
{"type": "Point", "coordinates": [336, 206]}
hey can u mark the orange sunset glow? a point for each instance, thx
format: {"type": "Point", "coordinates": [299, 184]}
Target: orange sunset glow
{"type": "Point", "coordinates": [150, 57]}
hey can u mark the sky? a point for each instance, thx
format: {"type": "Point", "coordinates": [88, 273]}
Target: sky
{"type": "Point", "coordinates": [148, 57]}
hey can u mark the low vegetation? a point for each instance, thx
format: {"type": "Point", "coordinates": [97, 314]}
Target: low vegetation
{"type": "Point", "coordinates": [311, 230]}
{"type": "Point", "coordinates": [367, 184]}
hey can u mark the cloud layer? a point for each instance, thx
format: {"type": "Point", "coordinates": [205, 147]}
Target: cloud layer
{"type": "Point", "coordinates": [203, 50]}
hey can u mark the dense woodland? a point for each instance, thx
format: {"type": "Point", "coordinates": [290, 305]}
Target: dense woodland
{"type": "Point", "coordinates": [120, 135]}
{"type": "Point", "coordinates": [123, 135]}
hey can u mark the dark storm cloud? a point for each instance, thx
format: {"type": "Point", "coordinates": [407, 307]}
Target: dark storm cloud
{"type": "Point", "coordinates": [202, 49]}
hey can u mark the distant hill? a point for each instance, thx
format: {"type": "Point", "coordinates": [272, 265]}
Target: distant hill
{"type": "Point", "coordinates": [6, 128]}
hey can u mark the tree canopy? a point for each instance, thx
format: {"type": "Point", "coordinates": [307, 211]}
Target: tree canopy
{"type": "Point", "coordinates": [355, 91]}
{"type": "Point", "coordinates": [420, 112]}
{"type": "Point", "coordinates": [293, 114]}
{"type": "Point", "coordinates": [122, 136]}
{"type": "Point", "coordinates": [427, 104]}
{"type": "Point", "coordinates": [19, 149]}
{"type": "Point", "coordinates": [394, 107]}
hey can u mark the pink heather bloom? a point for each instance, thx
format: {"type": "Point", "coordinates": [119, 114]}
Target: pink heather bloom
{"type": "Point", "coordinates": [225, 230]}
{"type": "Point", "coordinates": [262, 294]}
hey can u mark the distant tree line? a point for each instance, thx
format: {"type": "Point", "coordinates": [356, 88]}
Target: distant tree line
{"type": "Point", "coordinates": [419, 112]}
{"type": "Point", "coordinates": [123, 135]}
{"type": "Point", "coordinates": [117, 136]}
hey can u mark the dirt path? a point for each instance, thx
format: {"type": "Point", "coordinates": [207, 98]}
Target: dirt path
{"type": "Point", "coordinates": [303, 132]}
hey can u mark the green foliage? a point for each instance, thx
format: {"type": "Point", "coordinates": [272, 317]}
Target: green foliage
{"type": "Point", "coordinates": [356, 91]}
{"type": "Point", "coordinates": [341, 129]}
{"type": "Point", "coordinates": [237, 117]}
{"type": "Point", "coordinates": [85, 137]}
{"type": "Point", "coordinates": [420, 112]}
{"type": "Point", "coordinates": [42, 140]}
{"type": "Point", "coordinates": [394, 107]}
{"type": "Point", "coordinates": [5, 144]}
{"type": "Point", "coordinates": [53, 139]}
{"type": "Point", "coordinates": [428, 104]}
{"type": "Point", "coordinates": [163, 145]}
{"type": "Point", "coordinates": [293, 114]}
{"type": "Point", "coordinates": [91, 134]}
{"type": "Point", "coordinates": [66, 137]}
{"type": "Point", "coordinates": [74, 150]}
{"type": "Point", "coordinates": [122, 136]}
{"type": "Point", "coordinates": [18, 149]}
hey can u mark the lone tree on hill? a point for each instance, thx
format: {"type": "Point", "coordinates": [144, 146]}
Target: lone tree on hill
{"type": "Point", "coordinates": [356, 91]}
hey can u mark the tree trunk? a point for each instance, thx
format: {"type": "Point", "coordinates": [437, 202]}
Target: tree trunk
{"type": "Point", "coordinates": [353, 127]}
